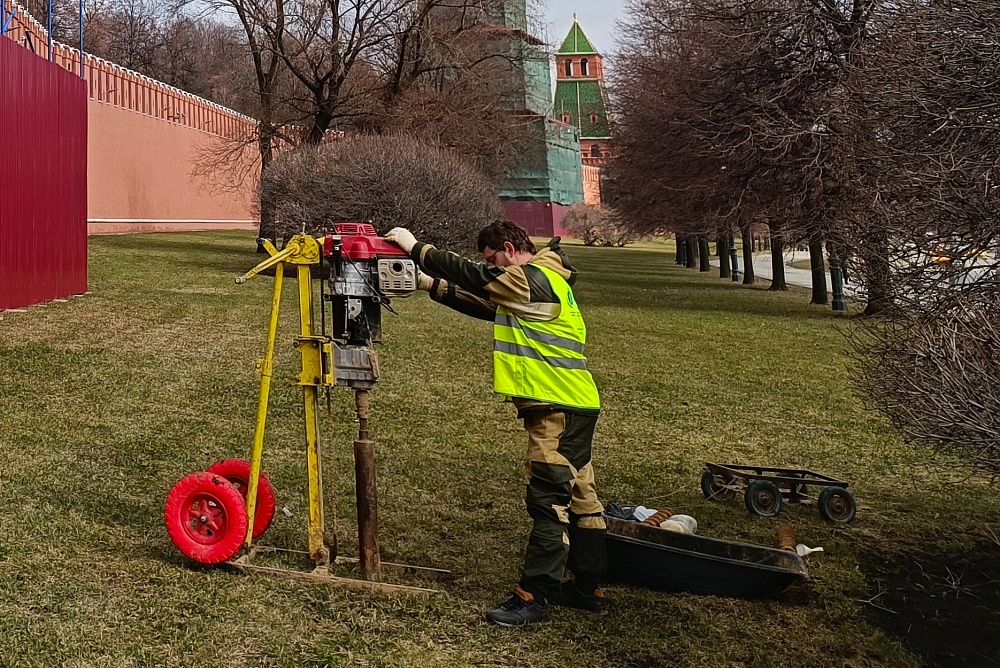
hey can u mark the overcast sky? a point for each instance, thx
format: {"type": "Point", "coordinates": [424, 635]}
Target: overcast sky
{"type": "Point", "coordinates": [597, 18]}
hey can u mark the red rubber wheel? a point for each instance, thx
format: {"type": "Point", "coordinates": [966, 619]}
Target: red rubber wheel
{"type": "Point", "coordinates": [206, 518]}
{"type": "Point", "coordinates": [237, 471]}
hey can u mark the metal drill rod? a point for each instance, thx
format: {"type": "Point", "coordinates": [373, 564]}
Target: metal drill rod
{"type": "Point", "coordinates": [367, 494]}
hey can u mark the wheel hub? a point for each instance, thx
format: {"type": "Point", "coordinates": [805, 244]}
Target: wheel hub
{"type": "Point", "coordinates": [764, 499]}
{"type": "Point", "coordinates": [206, 519]}
{"type": "Point", "coordinates": [839, 507]}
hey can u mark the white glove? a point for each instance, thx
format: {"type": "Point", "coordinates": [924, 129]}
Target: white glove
{"type": "Point", "coordinates": [402, 238]}
{"type": "Point", "coordinates": [424, 282]}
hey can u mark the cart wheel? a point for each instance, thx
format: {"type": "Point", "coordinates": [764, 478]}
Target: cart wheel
{"type": "Point", "coordinates": [237, 471]}
{"type": "Point", "coordinates": [206, 517]}
{"type": "Point", "coordinates": [837, 505]}
{"type": "Point", "coordinates": [763, 498]}
{"type": "Point", "coordinates": [714, 487]}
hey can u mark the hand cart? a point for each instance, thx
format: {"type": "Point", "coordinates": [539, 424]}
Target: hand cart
{"type": "Point", "coordinates": [766, 489]}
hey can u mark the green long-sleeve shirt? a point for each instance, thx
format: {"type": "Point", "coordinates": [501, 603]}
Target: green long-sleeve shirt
{"type": "Point", "coordinates": [477, 288]}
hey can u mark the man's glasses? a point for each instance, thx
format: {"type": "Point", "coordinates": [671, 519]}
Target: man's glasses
{"type": "Point", "coordinates": [490, 258]}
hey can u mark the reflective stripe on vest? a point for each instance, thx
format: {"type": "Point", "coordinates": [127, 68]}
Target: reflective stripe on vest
{"type": "Point", "coordinates": [544, 360]}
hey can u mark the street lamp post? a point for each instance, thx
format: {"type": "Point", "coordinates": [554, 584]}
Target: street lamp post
{"type": "Point", "coordinates": [733, 260]}
{"type": "Point", "coordinates": [837, 279]}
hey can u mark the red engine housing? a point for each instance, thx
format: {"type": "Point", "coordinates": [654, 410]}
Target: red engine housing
{"type": "Point", "coordinates": [359, 241]}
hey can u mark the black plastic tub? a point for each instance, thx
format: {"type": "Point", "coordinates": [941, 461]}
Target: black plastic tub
{"type": "Point", "coordinates": [660, 559]}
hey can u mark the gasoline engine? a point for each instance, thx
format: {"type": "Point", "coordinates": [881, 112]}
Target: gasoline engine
{"type": "Point", "coordinates": [364, 273]}
{"type": "Point", "coordinates": [208, 515]}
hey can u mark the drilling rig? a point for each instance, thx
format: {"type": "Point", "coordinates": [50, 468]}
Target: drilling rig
{"type": "Point", "coordinates": [208, 514]}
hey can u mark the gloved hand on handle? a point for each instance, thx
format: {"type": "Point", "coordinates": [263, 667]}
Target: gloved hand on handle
{"type": "Point", "coordinates": [402, 238]}
{"type": "Point", "coordinates": [424, 282]}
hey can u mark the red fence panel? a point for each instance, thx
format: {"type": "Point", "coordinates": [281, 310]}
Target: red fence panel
{"type": "Point", "coordinates": [43, 179]}
{"type": "Point", "coordinates": [540, 219]}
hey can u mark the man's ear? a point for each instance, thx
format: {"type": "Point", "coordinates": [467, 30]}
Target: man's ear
{"type": "Point", "coordinates": [508, 248]}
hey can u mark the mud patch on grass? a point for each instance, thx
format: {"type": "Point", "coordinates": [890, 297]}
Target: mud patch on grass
{"type": "Point", "coordinates": [944, 608]}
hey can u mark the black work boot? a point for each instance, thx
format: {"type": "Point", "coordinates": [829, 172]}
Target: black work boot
{"type": "Point", "coordinates": [570, 596]}
{"type": "Point", "coordinates": [520, 609]}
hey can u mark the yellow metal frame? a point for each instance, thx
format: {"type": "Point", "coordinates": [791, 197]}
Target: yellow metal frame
{"type": "Point", "coordinates": [317, 371]}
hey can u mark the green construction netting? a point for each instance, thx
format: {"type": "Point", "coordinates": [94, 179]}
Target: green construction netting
{"type": "Point", "coordinates": [551, 168]}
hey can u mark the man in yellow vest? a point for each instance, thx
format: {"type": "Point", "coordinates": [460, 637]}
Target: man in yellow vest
{"type": "Point", "coordinates": [539, 365]}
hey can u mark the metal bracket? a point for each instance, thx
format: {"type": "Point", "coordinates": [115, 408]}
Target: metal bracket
{"type": "Point", "coordinates": [314, 367]}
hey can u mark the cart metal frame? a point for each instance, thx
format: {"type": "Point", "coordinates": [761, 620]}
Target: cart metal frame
{"type": "Point", "coordinates": [721, 482]}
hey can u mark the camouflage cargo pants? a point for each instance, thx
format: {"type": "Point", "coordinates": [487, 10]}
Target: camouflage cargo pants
{"type": "Point", "coordinates": [568, 530]}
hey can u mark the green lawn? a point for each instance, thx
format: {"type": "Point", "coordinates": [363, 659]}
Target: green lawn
{"type": "Point", "coordinates": [110, 398]}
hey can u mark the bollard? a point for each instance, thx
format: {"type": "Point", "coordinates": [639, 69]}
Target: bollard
{"type": "Point", "coordinates": [733, 259]}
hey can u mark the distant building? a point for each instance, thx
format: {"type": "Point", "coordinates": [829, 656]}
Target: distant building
{"type": "Point", "coordinates": [582, 101]}
{"type": "Point", "coordinates": [581, 95]}
{"type": "Point", "coordinates": [549, 177]}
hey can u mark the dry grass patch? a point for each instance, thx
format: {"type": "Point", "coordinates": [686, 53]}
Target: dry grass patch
{"type": "Point", "coordinates": [109, 399]}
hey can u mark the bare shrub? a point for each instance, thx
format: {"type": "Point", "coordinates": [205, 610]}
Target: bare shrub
{"type": "Point", "coordinates": [584, 222]}
{"type": "Point", "coordinates": [391, 180]}
{"type": "Point", "coordinates": [936, 379]}
{"type": "Point", "coordinates": [594, 225]}
{"type": "Point", "coordinates": [615, 230]}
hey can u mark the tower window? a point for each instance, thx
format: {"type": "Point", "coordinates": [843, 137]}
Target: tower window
{"type": "Point", "coordinates": [593, 118]}
{"type": "Point", "coordinates": [569, 68]}
{"type": "Point", "coordinates": [595, 151]}
{"type": "Point", "coordinates": [584, 68]}
{"type": "Point", "coordinates": [566, 118]}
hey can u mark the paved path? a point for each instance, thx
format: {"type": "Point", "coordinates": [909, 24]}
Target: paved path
{"type": "Point", "coordinates": [793, 276]}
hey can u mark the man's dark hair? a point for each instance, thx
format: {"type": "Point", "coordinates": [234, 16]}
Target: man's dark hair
{"type": "Point", "coordinates": [495, 234]}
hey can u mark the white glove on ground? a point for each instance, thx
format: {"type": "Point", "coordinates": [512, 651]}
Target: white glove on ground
{"type": "Point", "coordinates": [402, 238]}
{"type": "Point", "coordinates": [424, 282]}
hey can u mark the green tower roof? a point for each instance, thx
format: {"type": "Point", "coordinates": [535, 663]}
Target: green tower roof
{"type": "Point", "coordinates": [576, 42]}
{"type": "Point", "coordinates": [584, 100]}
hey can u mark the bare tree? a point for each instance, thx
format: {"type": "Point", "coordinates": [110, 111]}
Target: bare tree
{"type": "Point", "coordinates": [730, 111]}
{"type": "Point", "coordinates": [925, 124]}
{"type": "Point", "coordinates": [436, 69]}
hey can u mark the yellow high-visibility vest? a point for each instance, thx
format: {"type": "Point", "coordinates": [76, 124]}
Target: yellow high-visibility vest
{"type": "Point", "coordinates": [544, 360]}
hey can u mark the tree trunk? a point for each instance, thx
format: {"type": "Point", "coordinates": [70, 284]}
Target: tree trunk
{"type": "Point", "coordinates": [877, 275]}
{"type": "Point", "coordinates": [679, 245]}
{"type": "Point", "coordinates": [691, 253]}
{"type": "Point", "coordinates": [322, 118]}
{"type": "Point", "coordinates": [704, 254]}
{"type": "Point", "coordinates": [818, 268]}
{"type": "Point", "coordinates": [268, 228]}
{"type": "Point", "coordinates": [722, 249]}
{"type": "Point", "coordinates": [748, 242]}
{"type": "Point", "coordinates": [777, 264]}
